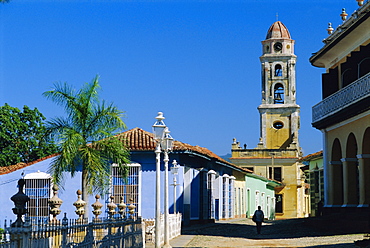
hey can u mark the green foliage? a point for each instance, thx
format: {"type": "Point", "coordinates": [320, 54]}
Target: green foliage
{"type": "Point", "coordinates": [4, 1]}
{"type": "Point", "coordinates": [85, 137]}
{"type": "Point", "coordinates": [22, 136]}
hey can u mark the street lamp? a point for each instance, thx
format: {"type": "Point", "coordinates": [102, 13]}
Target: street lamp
{"type": "Point", "coordinates": [158, 130]}
{"type": "Point", "coordinates": [167, 144]}
{"type": "Point", "coordinates": [174, 171]}
{"type": "Point", "coordinates": [165, 141]}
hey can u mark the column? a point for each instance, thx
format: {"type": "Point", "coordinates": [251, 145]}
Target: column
{"type": "Point", "coordinates": [187, 195]}
{"type": "Point", "coordinates": [334, 186]}
{"type": "Point", "coordinates": [350, 198]}
{"type": "Point", "coordinates": [363, 164]}
{"type": "Point", "coordinates": [204, 202]}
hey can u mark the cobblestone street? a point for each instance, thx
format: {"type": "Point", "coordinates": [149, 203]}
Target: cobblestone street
{"type": "Point", "coordinates": [278, 233]}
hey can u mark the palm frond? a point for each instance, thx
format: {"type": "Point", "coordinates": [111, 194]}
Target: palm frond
{"type": "Point", "coordinates": [84, 136]}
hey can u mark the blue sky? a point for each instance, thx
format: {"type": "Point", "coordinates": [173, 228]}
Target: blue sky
{"type": "Point", "coordinates": [196, 61]}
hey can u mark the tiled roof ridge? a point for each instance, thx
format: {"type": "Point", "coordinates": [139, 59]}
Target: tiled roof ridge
{"type": "Point", "coordinates": [144, 141]}
{"type": "Point", "coordinates": [8, 169]}
{"type": "Point", "coordinates": [312, 155]}
{"type": "Point", "coordinates": [141, 141]}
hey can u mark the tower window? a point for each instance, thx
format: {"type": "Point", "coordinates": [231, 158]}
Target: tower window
{"type": "Point", "coordinates": [278, 71]}
{"type": "Point", "coordinates": [278, 125]}
{"type": "Point", "coordinates": [278, 94]}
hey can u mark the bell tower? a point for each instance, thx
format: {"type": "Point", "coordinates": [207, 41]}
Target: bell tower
{"type": "Point", "coordinates": [277, 154]}
{"type": "Point", "coordinates": [279, 113]}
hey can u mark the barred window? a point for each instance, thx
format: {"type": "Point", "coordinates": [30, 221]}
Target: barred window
{"type": "Point", "coordinates": [38, 189]}
{"type": "Point", "coordinates": [126, 187]}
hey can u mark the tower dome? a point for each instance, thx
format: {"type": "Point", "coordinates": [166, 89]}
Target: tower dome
{"type": "Point", "coordinates": [278, 31]}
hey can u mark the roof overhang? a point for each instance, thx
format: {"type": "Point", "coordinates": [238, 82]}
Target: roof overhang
{"type": "Point", "coordinates": [348, 36]}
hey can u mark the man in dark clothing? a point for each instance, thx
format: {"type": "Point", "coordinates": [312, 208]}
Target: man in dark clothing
{"type": "Point", "coordinates": [258, 217]}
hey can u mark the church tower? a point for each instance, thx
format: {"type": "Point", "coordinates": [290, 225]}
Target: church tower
{"type": "Point", "coordinates": [277, 154]}
{"type": "Point", "coordinates": [279, 113]}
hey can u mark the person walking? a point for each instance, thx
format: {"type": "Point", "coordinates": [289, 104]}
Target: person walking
{"type": "Point", "coordinates": [258, 217]}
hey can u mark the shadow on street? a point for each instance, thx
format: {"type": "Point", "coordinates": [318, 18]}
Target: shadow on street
{"type": "Point", "coordinates": [276, 229]}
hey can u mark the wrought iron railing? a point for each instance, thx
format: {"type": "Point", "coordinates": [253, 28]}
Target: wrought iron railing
{"type": "Point", "coordinates": [355, 92]}
{"type": "Point", "coordinates": [75, 233]}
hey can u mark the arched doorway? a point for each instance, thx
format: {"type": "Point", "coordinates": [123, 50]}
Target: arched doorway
{"type": "Point", "coordinates": [351, 173]}
{"type": "Point", "coordinates": [336, 175]}
{"type": "Point", "coordinates": [364, 169]}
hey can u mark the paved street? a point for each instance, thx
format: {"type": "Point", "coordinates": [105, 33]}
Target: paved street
{"type": "Point", "coordinates": [278, 233]}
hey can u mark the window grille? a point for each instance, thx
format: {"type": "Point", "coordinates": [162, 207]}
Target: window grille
{"type": "Point", "coordinates": [211, 210]}
{"type": "Point", "coordinates": [243, 209]}
{"type": "Point", "coordinates": [257, 200]}
{"type": "Point", "coordinates": [39, 192]}
{"type": "Point", "coordinates": [230, 198]}
{"type": "Point", "coordinates": [263, 206]}
{"type": "Point", "coordinates": [224, 189]}
{"type": "Point", "coordinates": [126, 187]}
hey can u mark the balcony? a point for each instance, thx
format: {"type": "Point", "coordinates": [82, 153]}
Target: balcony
{"type": "Point", "coordinates": [340, 103]}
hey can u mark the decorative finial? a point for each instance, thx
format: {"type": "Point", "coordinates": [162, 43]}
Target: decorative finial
{"type": "Point", "coordinates": [97, 208]}
{"type": "Point", "coordinates": [55, 202]}
{"type": "Point", "coordinates": [360, 2]}
{"type": "Point", "coordinates": [20, 199]}
{"type": "Point", "coordinates": [344, 14]}
{"type": "Point", "coordinates": [277, 16]}
{"type": "Point", "coordinates": [330, 29]}
{"type": "Point", "coordinates": [80, 205]}
{"type": "Point", "coordinates": [122, 208]}
{"type": "Point", "coordinates": [131, 208]}
{"type": "Point", "coordinates": [111, 207]}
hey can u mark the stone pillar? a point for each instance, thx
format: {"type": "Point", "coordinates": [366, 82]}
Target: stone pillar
{"type": "Point", "coordinates": [364, 178]}
{"type": "Point", "coordinates": [350, 197]}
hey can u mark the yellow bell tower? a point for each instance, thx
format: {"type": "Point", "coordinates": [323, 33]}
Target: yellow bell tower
{"type": "Point", "coordinates": [278, 152]}
{"type": "Point", "coordinates": [279, 113]}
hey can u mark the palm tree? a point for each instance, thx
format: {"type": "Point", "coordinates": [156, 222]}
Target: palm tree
{"type": "Point", "coordinates": [85, 137]}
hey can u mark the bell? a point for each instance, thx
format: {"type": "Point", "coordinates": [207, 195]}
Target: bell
{"type": "Point", "coordinates": [278, 97]}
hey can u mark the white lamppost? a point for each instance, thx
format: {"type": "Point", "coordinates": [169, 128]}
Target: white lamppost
{"type": "Point", "coordinates": [174, 171]}
{"type": "Point", "coordinates": [164, 141]}
{"type": "Point", "coordinates": [167, 144]}
{"type": "Point", "coordinates": [158, 130]}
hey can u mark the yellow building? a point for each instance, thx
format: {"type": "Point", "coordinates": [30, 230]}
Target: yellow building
{"type": "Point", "coordinates": [343, 115]}
{"type": "Point", "coordinates": [278, 150]}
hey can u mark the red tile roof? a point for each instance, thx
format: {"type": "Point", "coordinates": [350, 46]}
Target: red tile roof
{"type": "Point", "coordinates": [277, 31]}
{"type": "Point", "coordinates": [312, 156]}
{"type": "Point", "coordinates": [138, 139]}
{"type": "Point", "coordinates": [15, 167]}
